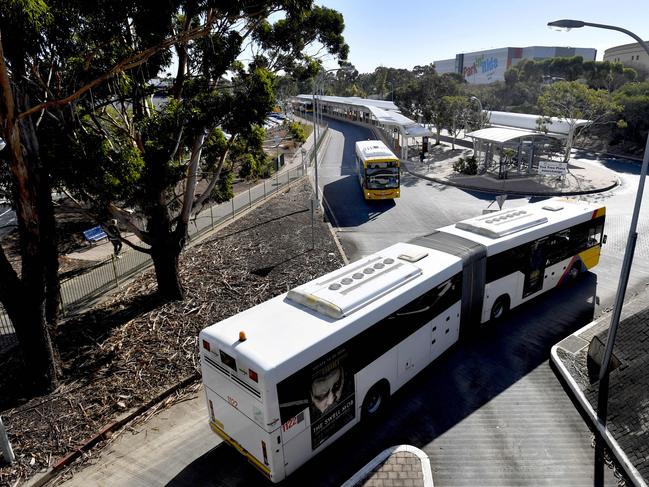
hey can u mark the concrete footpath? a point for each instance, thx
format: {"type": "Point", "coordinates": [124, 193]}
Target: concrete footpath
{"type": "Point", "coordinates": [583, 176]}
{"type": "Point", "coordinates": [627, 431]}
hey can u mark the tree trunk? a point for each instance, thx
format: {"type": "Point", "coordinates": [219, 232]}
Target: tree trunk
{"type": "Point", "coordinates": [25, 302]}
{"type": "Point", "coordinates": [165, 261]}
{"type": "Point", "coordinates": [166, 245]}
{"type": "Point", "coordinates": [27, 313]}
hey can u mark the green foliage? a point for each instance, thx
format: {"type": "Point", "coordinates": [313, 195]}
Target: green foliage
{"type": "Point", "coordinates": [634, 100]}
{"type": "Point", "coordinates": [571, 100]}
{"type": "Point", "coordinates": [223, 190]}
{"type": "Point", "coordinates": [297, 132]}
{"type": "Point", "coordinates": [422, 99]}
{"type": "Point", "coordinates": [467, 166]}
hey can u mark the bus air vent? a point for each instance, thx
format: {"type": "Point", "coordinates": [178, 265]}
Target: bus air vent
{"type": "Point", "coordinates": [553, 207]}
{"type": "Point", "coordinates": [413, 256]}
{"type": "Point", "coordinates": [354, 286]}
{"type": "Point", "coordinates": [501, 223]}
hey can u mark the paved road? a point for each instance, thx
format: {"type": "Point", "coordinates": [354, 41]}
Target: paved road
{"type": "Point", "coordinates": [526, 432]}
{"type": "Point", "coordinates": [490, 412]}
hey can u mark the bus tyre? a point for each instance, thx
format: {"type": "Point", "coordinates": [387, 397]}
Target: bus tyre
{"type": "Point", "coordinates": [573, 272]}
{"type": "Point", "coordinates": [500, 308]}
{"type": "Point", "coordinates": [375, 400]}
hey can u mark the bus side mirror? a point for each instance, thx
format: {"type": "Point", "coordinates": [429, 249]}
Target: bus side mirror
{"type": "Point", "coordinates": [604, 239]}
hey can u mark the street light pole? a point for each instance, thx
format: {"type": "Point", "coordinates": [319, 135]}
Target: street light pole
{"type": "Point", "coordinates": [602, 397]}
{"type": "Point", "coordinates": [475, 98]}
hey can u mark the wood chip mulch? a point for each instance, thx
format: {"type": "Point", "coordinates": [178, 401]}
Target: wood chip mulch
{"type": "Point", "coordinates": [125, 351]}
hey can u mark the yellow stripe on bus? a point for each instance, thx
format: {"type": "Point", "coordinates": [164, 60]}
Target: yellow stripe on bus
{"type": "Point", "coordinates": [599, 212]}
{"type": "Point", "coordinates": [230, 441]}
{"type": "Point", "coordinates": [590, 257]}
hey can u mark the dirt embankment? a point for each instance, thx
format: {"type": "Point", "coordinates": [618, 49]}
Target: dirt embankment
{"type": "Point", "coordinates": [127, 350]}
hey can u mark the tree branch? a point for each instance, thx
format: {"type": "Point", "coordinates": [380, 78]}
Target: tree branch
{"type": "Point", "coordinates": [124, 65]}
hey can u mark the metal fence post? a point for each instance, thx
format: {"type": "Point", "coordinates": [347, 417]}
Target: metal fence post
{"type": "Point", "coordinates": [61, 304]}
{"type": "Point", "coordinates": [5, 446]}
{"type": "Point", "coordinates": [212, 215]}
{"type": "Point", "coordinates": [249, 197]}
{"type": "Point", "coordinates": [232, 206]}
{"type": "Point", "coordinates": [264, 189]}
{"type": "Point", "coordinates": [114, 270]}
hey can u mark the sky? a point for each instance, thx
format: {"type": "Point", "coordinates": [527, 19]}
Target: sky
{"type": "Point", "coordinates": [403, 34]}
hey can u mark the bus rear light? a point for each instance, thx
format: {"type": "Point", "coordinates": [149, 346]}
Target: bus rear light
{"type": "Point", "coordinates": [263, 449]}
{"type": "Point", "coordinates": [253, 375]}
{"type": "Point", "coordinates": [206, 345]}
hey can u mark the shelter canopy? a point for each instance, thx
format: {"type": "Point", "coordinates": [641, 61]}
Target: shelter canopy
{"type": "Point", "coordinates": [500, 135]}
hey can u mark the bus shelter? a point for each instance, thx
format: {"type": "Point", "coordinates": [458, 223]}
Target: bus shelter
{"type": "Point", "coordinates": [504, 150]}
{"type": "Point", "coordinates": [398, 131]}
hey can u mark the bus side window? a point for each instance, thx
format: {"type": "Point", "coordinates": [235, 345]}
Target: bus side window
{"type": "Point", "coordinates": [595, 235]}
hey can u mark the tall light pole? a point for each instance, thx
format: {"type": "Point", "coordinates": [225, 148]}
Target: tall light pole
{"type": "Point", "coordinates": [602, 397]}
{"type": "Point", "coordinates": [475, 98]}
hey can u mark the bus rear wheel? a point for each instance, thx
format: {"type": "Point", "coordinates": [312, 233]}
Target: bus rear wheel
{"type": "Point", "coordinates": [500, 308]}
{"type": "Point", "coordinates": [375, 400]}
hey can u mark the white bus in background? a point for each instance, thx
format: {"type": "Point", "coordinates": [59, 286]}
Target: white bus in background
{"type": "Point", "coordinates": [287, 377]}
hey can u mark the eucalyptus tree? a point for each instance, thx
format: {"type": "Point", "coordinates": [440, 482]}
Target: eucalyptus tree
{"type": "Point", "coordinates": [48, 62]}
{"type": "Point", "coordinates": [156, 157]}
{"type": "Point", "coordinates": [457, 111]}
{"type": "Point", "coordinates": [578, 106]}
{"type": "Point", "coordinates": [74, 83]}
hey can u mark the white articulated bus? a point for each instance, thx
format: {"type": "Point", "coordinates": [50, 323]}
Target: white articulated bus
{"type": "Point", "coordinates": [287, 377]}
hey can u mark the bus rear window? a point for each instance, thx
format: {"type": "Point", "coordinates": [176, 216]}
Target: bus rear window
{"type": "Point", "coordinates": [228, 360]}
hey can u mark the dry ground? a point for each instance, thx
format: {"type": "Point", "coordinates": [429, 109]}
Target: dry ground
{"type": "Point", "coordinates": [120, 354]}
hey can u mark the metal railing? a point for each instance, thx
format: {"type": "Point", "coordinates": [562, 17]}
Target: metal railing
{"type": "Point", "coordinates": [78, 291]}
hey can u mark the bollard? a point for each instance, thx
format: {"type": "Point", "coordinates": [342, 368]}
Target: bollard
{"type": "Point", "coordinates": [5, 446]}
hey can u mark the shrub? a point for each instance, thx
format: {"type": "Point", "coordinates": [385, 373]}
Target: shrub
{"type": "Point", "coordinates": [297, 132]}
{"type": "Point", "coordinates": [467, 166]}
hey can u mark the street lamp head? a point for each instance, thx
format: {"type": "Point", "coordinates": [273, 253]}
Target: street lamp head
{"type": "Point", "coordinates": [566, 24]}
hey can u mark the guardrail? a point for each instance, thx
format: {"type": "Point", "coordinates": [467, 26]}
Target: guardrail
{"type": "Point", "coordinates": [78, 291]}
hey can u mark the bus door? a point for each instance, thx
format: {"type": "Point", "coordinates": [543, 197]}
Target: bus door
{"type": "Point", "coordinates": [535, 269]}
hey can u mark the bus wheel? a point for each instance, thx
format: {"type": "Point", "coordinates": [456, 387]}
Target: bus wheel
{"type": "Point", "coordinates": [375, 400]}
{"type": "Point", "coordinates": [500, 308]}
{"type": "Point", "coordinates": [574, 272]}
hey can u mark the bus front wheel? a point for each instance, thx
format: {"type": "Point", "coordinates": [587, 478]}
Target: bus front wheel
{"type": "Point", "coordinates": [500, 308]}
{"type": "Point", "coordinates": [375, 400]}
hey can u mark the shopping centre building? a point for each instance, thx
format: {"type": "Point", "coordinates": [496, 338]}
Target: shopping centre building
{"type": "Point", "coordinates": [483, 67]}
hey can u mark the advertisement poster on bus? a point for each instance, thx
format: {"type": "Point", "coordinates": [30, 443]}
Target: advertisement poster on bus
{"type": "Point", "coordinates": [331, 396]}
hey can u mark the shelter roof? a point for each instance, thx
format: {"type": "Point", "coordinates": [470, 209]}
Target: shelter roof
{"type": "Point", "coordinates": [502, 135]}
{"type": "Point", "coordinates": [385, 112]}
{"type": "Point", "coordinates": [528, 121]}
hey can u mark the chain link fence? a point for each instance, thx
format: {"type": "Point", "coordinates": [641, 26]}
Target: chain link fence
{"type": "Point", "coordinates": [78, 291]}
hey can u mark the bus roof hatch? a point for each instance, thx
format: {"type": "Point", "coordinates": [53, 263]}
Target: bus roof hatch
{"type": "Point", "coordinates": [342, 292]}
{"type": "Point", "coordinates": [501, 223]}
